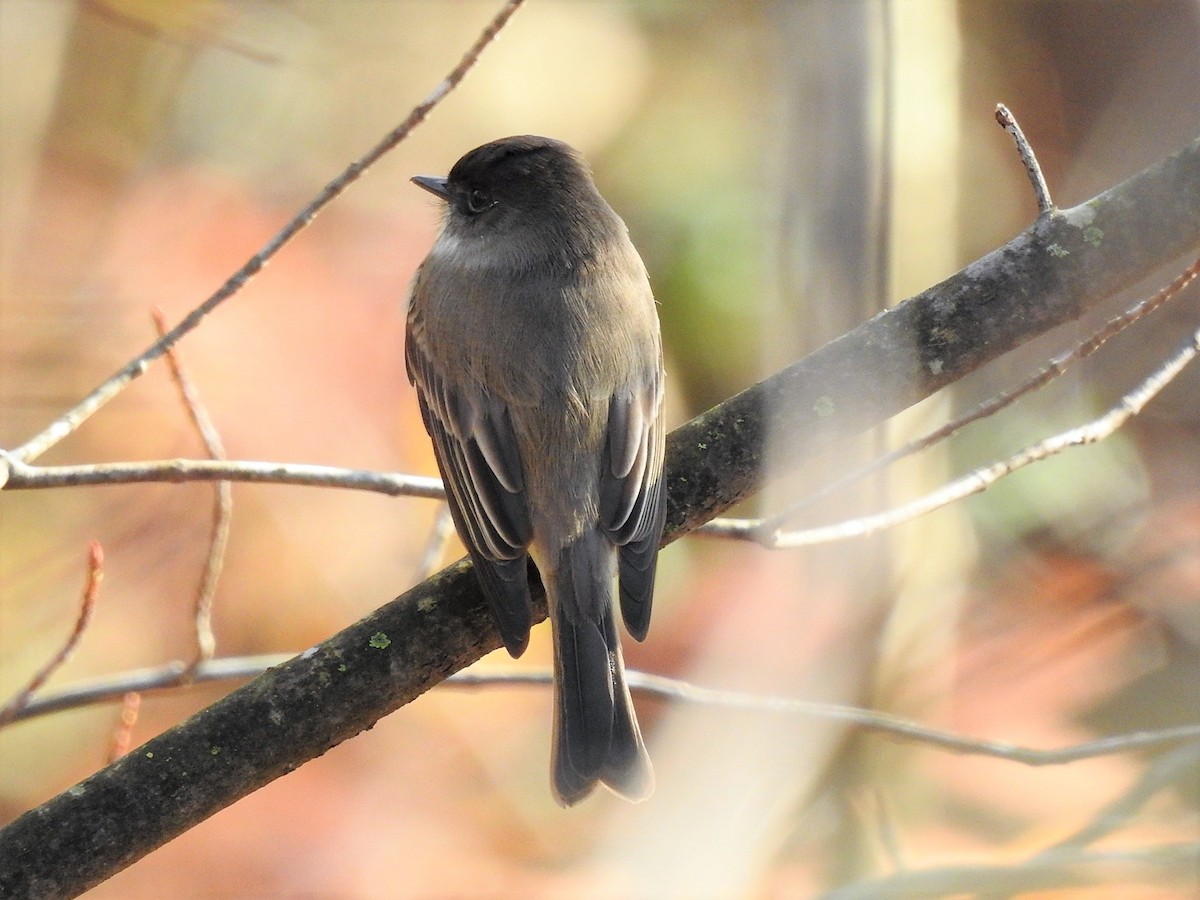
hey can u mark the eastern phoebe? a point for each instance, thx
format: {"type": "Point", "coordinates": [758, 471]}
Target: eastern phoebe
{"type": "Point", "coordinates": [533, 344]}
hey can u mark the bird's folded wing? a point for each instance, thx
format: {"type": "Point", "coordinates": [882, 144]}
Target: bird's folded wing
{"type": "Point", "coordinates": [632, 504]}
{"type": "Point", "coordinates": [481, 467]}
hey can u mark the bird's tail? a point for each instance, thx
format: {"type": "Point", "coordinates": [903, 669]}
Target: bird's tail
{"type": "Point", "coordinates": [596, 734]}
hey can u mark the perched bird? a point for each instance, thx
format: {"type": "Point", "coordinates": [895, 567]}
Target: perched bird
{"type": "Point", "coordinates": [533, 343]}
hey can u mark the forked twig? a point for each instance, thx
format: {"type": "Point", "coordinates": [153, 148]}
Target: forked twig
{"type": "Point", "coordinates": [767, 530]}
{"type": "Point", "coordinates": [983, 478]}
{"type": "Point", "coordinates": [206, 591]}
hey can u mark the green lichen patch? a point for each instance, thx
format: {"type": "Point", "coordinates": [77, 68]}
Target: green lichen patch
{"type": "Point", "coordinates": [379, 641]}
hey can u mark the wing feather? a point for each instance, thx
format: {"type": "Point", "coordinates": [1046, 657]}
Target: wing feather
{"type": "Point", "coordinates": [632, 504]}
{"type": "Point", "coordinates": [477, 454]}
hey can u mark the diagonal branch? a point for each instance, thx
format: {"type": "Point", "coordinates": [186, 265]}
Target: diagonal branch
{"type": "Point", "coordinates": [1050, 274]}
{"type": "Point", "coordinates": [982, 478]}
{"type": "Point", "coordinates": [1044, 277]}
{"type": "Point", "coordinates": [767, 530]}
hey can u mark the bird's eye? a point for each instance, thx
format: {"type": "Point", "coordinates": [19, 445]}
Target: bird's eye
{"type": "Point", "coordinates": [478, 201]}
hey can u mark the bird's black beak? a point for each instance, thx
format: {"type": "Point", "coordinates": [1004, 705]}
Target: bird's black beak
{"type": "Point", "coordinates": [435, 186]}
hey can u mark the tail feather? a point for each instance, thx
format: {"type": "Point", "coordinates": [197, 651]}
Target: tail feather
{"type": "Point", "coordinates": [585, 695]}
{"type": "Point", "coordinates": [596, 735]}
{"type": "Point", "coordinates": [627, 768]}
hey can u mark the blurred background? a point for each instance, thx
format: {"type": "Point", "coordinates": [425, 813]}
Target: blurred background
{"type": "Point", "coordinates": [787, 170]}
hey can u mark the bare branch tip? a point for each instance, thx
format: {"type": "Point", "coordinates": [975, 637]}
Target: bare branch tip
{"type": "Point", "coordinates": [95, 570]}
{"type": "Point", "coordinates": [91, 591]}
{"type": "Point", "coordinates": [1033, 169]}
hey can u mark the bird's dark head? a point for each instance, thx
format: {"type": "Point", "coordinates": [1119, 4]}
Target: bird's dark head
{"type": "Point", "coordinates": [524, 184]}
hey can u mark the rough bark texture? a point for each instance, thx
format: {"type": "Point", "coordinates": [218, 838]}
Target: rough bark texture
{"type": "Point", "coordinates": [1046, 276]}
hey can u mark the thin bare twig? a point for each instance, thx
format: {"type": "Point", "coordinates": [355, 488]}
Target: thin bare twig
{"type": "Point", "coordinates": [218, 539]}
{"type": "Point", "coordinates": [660, 687]}
{"type": "Point", "coordinates": [91, 590]}
{"type": "Point", "coordinates": [904, 729]}
{"type": "Point", "coordinates": [143, 681]}
{"type": "Point", "coordinates": [73, 418]}
{"type": "Point", "coordinates": [1032, 168]}
{"type": "Point", "coordinates": [393, 484]}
